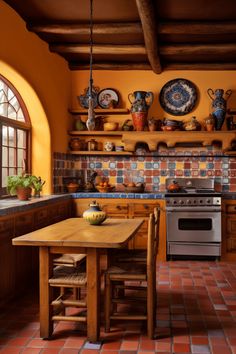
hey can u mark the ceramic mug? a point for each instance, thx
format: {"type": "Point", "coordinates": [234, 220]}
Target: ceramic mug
{"type": "Point", "coordinates": [108, 146]}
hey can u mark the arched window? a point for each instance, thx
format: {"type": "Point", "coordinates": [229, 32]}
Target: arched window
{"type": "Point", "coordinates": [15, 128]}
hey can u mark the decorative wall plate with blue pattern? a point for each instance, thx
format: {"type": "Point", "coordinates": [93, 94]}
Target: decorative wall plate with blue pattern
{"type": "Point", "coordinates": [178, 97]}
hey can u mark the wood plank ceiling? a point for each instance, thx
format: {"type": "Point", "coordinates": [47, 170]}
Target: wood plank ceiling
{"type": "Point", "coordinates": [137, 34]}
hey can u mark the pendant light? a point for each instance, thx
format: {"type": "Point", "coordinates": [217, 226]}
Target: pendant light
{"type": "Point", "coordinates": [91, 114]}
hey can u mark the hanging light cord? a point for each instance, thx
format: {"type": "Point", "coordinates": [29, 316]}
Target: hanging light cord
{"type": "Point", "coordinates": [91, 50]}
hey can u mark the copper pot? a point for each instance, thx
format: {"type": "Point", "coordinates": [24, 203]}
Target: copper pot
{"type": "Point", "coordinates": [173, 187]}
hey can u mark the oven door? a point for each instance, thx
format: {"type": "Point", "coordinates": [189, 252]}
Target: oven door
{"type": "Point", "coordinates": [194, 226]}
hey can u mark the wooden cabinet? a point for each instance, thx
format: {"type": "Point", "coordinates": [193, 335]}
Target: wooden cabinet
{"type": "Point", "coordinates": [19, 265]}
{"type": "Point", "coordinates": [229, 230]}
{"type": "Point", "coordinates": [7, 259]}
{"type": "Point", "coordinates": [130, 208]}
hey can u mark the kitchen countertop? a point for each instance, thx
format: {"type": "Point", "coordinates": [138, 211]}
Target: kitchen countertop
{"type": "Point", "coordinates": [13, 205]}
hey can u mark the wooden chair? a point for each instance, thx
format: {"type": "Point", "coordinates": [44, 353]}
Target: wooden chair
{"type": "Point", "coordinates": [66, 278]}
{"type": "Point", "coordinates": [131, 277]}
{"type": "Point", "coordinates": [121, 256]}
{"type": "Point", "coordinates": [70, 260]}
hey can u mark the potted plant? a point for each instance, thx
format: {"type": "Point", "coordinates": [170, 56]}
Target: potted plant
{"type": "Point", "coordinates": [37, 184]}
{"type": "Point", "coordinates": [20, 185]}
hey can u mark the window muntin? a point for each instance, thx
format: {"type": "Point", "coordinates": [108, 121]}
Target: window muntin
{"type": "Point", "coordinates": [15, 131]}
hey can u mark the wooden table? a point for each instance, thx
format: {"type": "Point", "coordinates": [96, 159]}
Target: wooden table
{"type": "Point", "coordinates": [75, 235]}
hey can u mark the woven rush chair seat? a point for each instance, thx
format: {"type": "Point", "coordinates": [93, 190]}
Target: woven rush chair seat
{"type": "Point", "coordinates": [70, 260]}
{"type": "Point", "coordinates": [67, 279]}
{"type": "Point", "coordinates": [129, 283]}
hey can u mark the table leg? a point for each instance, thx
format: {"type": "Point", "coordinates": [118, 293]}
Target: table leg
{"type": "Point", "coordinates": [45, 269]}
{"type": "Point", "coordinates": [93, 295]}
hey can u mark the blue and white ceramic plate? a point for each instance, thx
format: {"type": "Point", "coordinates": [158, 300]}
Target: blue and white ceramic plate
{"type": "Point", "coordinates": [178, 97]}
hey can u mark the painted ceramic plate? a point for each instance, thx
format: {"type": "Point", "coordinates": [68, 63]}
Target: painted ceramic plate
{"type": "Point", "coordinates": [178, 97]}
{"type": "Point", "coordinates": [108, 98]}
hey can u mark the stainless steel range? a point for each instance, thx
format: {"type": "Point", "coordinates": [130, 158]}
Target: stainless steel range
{"type": "Point", "coordinates": [193, 218]}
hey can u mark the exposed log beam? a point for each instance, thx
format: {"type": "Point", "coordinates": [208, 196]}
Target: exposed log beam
{"type": "Point", "coordinates": [195, 49]}
{"type": "Point", "coordinates": [98, 49]}
{"type": "Point", "coordinates": [200, 66]}
{"type": "Point", "coordinates": [135, 28]}
{"type": "Point", "coordinates": [147, 17]}
{"type": "Point", "coordinates": [191, 28]}
{"type": "Point", "coordinates": [83, 29]}
{"type": "Point", "coordinates": [111, 66]}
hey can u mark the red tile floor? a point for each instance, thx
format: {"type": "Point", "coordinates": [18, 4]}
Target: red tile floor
{"type": "Point", "coordinates": [196, 313]}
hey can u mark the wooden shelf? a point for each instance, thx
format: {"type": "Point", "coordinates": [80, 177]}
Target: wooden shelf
{"type": "Point", "coordinates": [96, 132]}
{"type": "Point", "coordinates": [100, 152]}
{"type": "Point", "coordinates": [130, 139]}
{"type": "Point", "coordinates": [100, 111]}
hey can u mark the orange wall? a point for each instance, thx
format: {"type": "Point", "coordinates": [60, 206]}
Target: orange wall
{"type": "Point", "coordinates": [129, 81]}
{"type": "Point", "coordinates": [47, 73]}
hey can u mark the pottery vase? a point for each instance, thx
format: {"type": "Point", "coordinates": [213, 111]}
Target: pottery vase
{"type": "Point", "coordinates": [94, 215]}
{"type": "Point", "coordinates": [140, 103]}
{"type": "Point", "coordinates": [219, 104]}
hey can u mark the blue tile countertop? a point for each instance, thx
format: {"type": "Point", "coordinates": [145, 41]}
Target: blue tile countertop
{"type": "Point", "coordinates": [119, 195]}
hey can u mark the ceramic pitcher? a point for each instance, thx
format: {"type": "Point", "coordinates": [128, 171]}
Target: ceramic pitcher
{"type": "Point", "coordinates": [140, 103]}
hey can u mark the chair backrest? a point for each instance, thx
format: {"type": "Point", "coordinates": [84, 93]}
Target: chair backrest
{"type": "Point", "coordinates": [153, 235]}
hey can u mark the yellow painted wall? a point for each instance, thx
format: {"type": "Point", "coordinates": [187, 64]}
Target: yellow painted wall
{"type": "Point", "coordinates": [130, 81]}
{"type": "Point", "coordinates": [43, 80]}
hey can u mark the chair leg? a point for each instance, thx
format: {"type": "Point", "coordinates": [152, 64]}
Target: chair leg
{"type": "Point", "coordinates": [107, 306]}
{"type": "Point", "coordinates": [150, 312]}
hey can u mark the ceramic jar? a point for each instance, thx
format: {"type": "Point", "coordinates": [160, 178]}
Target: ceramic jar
{"type": "Point", "coordinates": [140, 103]}
{"type": "Point", "coordinates": [94, 215]}
{"type": "Point", "coordinates": [92, 145]}
{"type": "Point", "coordinates": [75, 144]}
{"type": "Point", "coordinates": [108, 146]}
{"type": "Point", "coordinates": [219, 105]}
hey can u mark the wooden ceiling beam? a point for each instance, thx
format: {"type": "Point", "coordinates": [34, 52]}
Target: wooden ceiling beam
{"type": "Point", "coordinates": [193, 28]}
{"type": "Point", "coordinates": [99, 49]}
{"type": "Point", "coordinates": [83, 29]}
{"type": "Point", "coordinates": [200, 66]}
{"type": "Point", "coordinates": [196, 49]}
{"type": "Point", "coordinates": [110, 66]}
{"type": "Point", "coordinates": [147, 17]}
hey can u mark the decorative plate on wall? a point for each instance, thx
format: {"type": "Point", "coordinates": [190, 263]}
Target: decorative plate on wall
{"type": "Point", "coordinates": [178, 97]}
{"type": "Point", "coordinates": [108, 98]}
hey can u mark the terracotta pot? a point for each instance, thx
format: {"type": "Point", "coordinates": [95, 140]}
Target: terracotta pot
{"type": "Point", "coordinates": [23, 193]}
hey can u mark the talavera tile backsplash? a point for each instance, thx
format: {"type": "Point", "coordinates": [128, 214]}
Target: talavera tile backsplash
{"type": "Point", "coordinates": [151, 169]}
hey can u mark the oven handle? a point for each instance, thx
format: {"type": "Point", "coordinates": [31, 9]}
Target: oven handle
{"type": "Point", "coordinates": [193, 209]}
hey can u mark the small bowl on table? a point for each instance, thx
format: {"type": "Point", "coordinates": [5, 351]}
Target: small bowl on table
{"type": "Point", "coordinates": [104, 189]}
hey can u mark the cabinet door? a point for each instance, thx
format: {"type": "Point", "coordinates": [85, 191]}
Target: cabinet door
{"type": "Point", "coordinates": [231, 233]}
{"type": "Point", "coordinates": [143, 210]}
{"type": "Point", "coordinates": [41, 217]}
{"type": "Point", "coordinates": [59, 211]}
{"type": "Point", "coordinates": [116, 209]}
{"type": "Point", "coordinates": [7, 260]}
{"type": "Point", "coordinates": [24, 223]}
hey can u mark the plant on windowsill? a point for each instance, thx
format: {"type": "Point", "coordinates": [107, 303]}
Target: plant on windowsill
{"type": "Point", "coordinates": [20, 185]}
{"type": "Point", "coordinates": [37, 185]}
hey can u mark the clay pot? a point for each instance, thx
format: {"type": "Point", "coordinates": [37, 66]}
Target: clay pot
{"type": "Point", "coordinates": [75, 144]}
{"type": "Point", "coordinates": [94, 215]}
{"type": "Point", "coordinates": [23, 193]}
{"type": "Point", "coordinates": [173, 187]}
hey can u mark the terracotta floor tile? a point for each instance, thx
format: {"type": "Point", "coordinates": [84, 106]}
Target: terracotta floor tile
{"type": "Point", "coordinates": [129, 345]}
{"type": "Point", "coordinates": [29, 350]}
{"type": "Point", "coordinates": [181, 348]}
{"type": "Point", "coordinates": [200, 340]}
{"type": "Point", "coordinates": [111, 346]}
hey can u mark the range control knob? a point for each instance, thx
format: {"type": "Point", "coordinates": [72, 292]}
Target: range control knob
{"type": "Point", "coordinates": [188, 201]}
{"type": "Point", "coordinates": [181, 202]}
{"type": "Point", "coordinates": [208, 201]}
